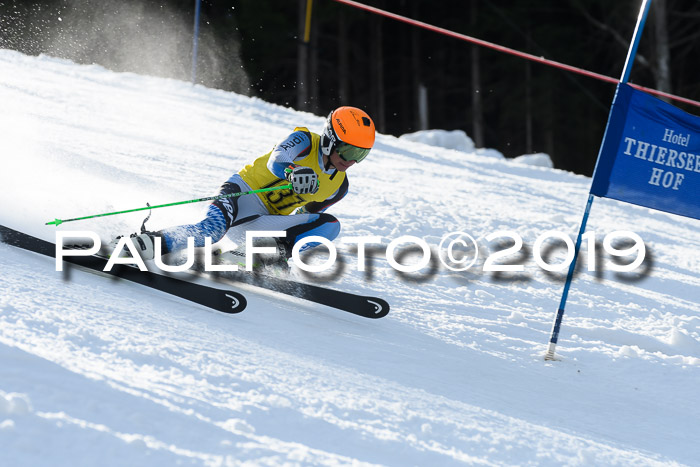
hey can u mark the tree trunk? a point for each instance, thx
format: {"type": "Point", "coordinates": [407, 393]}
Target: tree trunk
{"type": "Point", "coordinates": [550, 119]}
{"type": "Point", "coordinates": [477, 102]}
{"type": "Point", "coordinates": [423, 110]}
{"type": "Point", "coordinates": [662, 70]}
{"type": "Point", "coordinates": [419, 91]}
{"type": "Point", "coordinates": [343, 70]}
{"type": "Point", "coordinates": [529, 145]}
{"type": "Point", "coordinates": [302, 60]}
{"type": "Point", "coordinates": [378, 84]}
{"type": "Point", "coordinates": [314, 85]}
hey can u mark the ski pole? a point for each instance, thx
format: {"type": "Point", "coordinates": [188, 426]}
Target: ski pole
{"type": "Point", "coordinates": [58, 222]}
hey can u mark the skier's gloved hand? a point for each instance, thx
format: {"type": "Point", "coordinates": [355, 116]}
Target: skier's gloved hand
{"type": "Point", "coordinates": [303, 179]}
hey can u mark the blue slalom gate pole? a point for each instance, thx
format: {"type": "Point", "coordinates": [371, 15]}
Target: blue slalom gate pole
{"type": "Point", "coordinates": [197, 9]}
{"type": "Point", "coordinates": [569, 277]}
{"type": "Point", "coordinates": [641, 20]}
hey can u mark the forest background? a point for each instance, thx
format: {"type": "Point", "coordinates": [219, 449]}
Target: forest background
{"type": "Point", "coordinates": [406, 78]}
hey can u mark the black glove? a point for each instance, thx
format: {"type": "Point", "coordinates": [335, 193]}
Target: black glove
{"type": "Point", "coordinates": [303, 179]}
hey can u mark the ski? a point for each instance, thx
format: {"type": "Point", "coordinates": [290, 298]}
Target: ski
{"type": "Point", "coordinates": [226, 301]}
{"type": "Point", "coordinates": [361, 305]}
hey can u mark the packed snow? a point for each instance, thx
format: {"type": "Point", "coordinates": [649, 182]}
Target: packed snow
{"type": "Point", "coordinates": [538, 159]}
{"type": "Point", "coordinates": [452, 139]}
{"type": "Point", "coordinates": [101, 372]}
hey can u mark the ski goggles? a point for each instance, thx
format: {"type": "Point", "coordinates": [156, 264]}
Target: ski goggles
{"type": "Point", "coordinates": [348, 152]}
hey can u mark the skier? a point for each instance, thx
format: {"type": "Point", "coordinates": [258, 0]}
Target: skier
{"type": "Point", "coordinates": [315, 165]}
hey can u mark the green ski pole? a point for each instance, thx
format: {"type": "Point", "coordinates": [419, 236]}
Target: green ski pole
{"type": "Point", "coordinates": [58, 222]}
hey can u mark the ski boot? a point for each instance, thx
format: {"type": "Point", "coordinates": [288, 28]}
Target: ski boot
{"type": "Point", "coordinates": [144, 243]}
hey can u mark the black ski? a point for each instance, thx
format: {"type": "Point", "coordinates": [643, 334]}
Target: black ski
{"type": "Point", "coordinates": [226, 301]}
{"type": "Point", "coordinates": [369, 307]}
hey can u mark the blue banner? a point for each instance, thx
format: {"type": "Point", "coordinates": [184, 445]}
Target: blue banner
{"type": "Point", "coordinates": [650, 155]}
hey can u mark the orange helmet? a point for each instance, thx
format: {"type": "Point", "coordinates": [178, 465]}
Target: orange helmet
{"type": "Point", "coordinates": [349, 131]}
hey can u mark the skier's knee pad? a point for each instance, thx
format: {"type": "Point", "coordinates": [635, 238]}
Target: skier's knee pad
{"type": "Point", "coordinates": [329, 226]}
{"type": "Point", "coordinates": [228, 206]}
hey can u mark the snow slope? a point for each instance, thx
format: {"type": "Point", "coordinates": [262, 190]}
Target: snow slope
{"type": "Point", "coordinates": [97, 372]}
